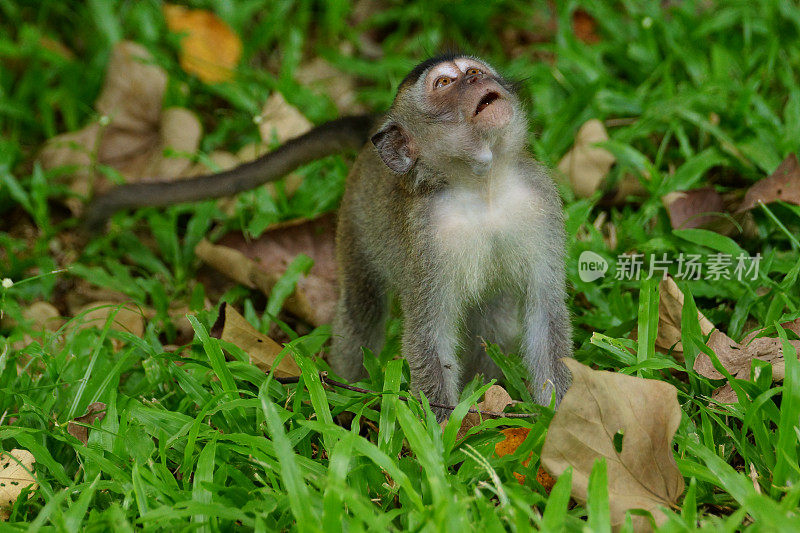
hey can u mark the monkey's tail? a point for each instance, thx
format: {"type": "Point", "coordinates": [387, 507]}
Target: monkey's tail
{"type": "Point", "coordinates": [347, 133]}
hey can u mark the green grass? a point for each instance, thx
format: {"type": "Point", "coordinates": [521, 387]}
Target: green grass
{"type": "Point", "coordinates": [205, 442]}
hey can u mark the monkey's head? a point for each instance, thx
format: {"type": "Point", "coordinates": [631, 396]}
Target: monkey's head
{"type": "Point", "coordinates": [452, 113]}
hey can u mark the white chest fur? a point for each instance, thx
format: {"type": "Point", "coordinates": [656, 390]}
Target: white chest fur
{"type": "Point", "coordinates": [488, 233]}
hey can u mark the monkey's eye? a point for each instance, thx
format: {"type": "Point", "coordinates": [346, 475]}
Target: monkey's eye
{"type": "Point", "coordinates": [472, 71]}
{"type": "Point", "coordinates": [441, 81]}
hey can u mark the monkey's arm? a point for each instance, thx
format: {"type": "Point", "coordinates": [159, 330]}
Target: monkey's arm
{"type": "Point", "coordinates": [330, 138]}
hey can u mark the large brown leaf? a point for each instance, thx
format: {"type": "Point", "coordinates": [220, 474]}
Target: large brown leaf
{"type": "Point", "coordinates": [585, 164]}
{"type": "Point", "coordinates": [599, 406]}
{"type": "Point", "coordinates": [134, 134]}
{"type": "Point", "coordinates": [259, 263]}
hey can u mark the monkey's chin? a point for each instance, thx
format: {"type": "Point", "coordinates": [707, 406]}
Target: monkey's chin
{"type": "Point", "coordinates": [496, 115]}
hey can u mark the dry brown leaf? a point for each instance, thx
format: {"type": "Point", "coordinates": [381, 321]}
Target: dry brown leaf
{"type": "Point", "coordinates": [133, 90]}
{"type": "Point", "coordinates": [261, 349]}
{"type": "Point", "coordinates": [96, 411]}
{"type": "Point", "coordinates": [127, 317]}
{"type": "Point", "coordinates": [135, 133]}
{"type": "Point", "coordinates": [670, 306]}
{"type": "Point", "coordinates": [141, 156]}
{"type": "Point", "coordinates": [282, 119]}
{"type": "Point", "coordinates": [600, 405]}
{"type": "Point", "coordinates": [783, 184]}
{"type": "Point", "coordinates": [495, 400]}
{"type": "Point", "coordinates": [210, 49]}
{"type": "Point", "coordinates": [240, 268]}
{"type": "Point", "coordinates": [266, 259]}
{"type": "Point", "coordinates": [57, 47]}
{"type": "Point", "coordinates": [321, 76]}
{"type": "Point", "coordinates": [39, 317]}
{"type": "Point", "coordinates": [16, 469]}
{"type": "Point", "coordinates": [82, 292]}
{"type": "Point", "coordinates": [585, 27]}
{"type": "Point", "coordinates": [76, 149]}
{"type": "Point", "coordinates": [737, 358]}
{"type": "Point", "coordinates": [584, 164]}
{"type": "Point", "coordinates": [694, 209]}
{"type": "Point", "coordinates": [628, 189]}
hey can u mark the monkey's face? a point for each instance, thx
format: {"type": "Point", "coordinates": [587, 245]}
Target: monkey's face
{"type": "Point", "coordinates": [452, 114]}
{"type": "Point", "coordinates": [465, 90]}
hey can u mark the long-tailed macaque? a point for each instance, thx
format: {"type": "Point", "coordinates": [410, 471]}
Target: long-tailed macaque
{"type": "Point", "coordinates": [444, 208]}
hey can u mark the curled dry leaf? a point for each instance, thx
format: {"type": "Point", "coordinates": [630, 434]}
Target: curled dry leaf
{"type": "Point", "coordinates": [210, 49]}
{"type": "Point", "coordinates": [142, 156]}
{"type": "Point", "coordinates": [261, 349]}
{"type": "Point", "coordinates": [77, 426]}
{"type": "Point", "coordinates": [670, 306]}
{"type": "Point", "coordinates": [127, 317]}
{"type": "Point", "coordinates": [495, 400]}
{"type": "Point", "coordinates": [337, 85]}
{"type": "Point", "coordinates": [77, 150]}
{"type": "Point", "coordinates": [737, 358]}
{"type": "Point", "coordinates": [259, 263]}
{"type": "Point", "coordinates": [38, 317]}
{"type": "Point", "coordinates": [240, 268]}
{"type": "Point", "coordinates": [16, 474]}
{"type": "Point", "coordinates": [783, 184]}
{"type": "Point", "coordinates": [282, 119]}
{"type": "Point", "coordinates": [584, 164]}
{"type": "Point", "coordinates": [585, 27]}
{"type": "Point", "coordinates": [694, 209]}
{"type": "Point", "coordinates": [630, 422]}
{"type": "Point", "coordinates": [138, 133]}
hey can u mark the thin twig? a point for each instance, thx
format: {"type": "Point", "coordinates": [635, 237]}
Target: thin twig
{"type": "Point", "coordinates": [323, 376]}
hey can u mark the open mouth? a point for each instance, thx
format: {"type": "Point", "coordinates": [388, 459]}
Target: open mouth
{"type": "Point", "coordinates": [487, 100]}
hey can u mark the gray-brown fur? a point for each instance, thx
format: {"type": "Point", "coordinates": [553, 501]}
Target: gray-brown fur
{"type": "Point", "coordinates": [404, 229]}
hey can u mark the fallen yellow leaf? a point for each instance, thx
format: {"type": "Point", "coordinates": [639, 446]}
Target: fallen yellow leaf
{"type": "Point", "coordinates": [210, 49]}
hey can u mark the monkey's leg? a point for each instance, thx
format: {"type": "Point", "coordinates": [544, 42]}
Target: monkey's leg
{"type": "Point", "coordinates": [546, 339]}
{"type": "Point", "coordinates": [360, 317]}
{"type": "Point", "coordinates": [497, 321]}
{"type": "Point", "coordinates": [430, 338]}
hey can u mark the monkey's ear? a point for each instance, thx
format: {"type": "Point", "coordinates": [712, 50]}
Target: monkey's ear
{"type": "Point", "coordinates": [396, 148]}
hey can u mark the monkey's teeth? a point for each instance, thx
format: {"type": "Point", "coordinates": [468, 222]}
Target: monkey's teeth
{"type": "Point", "coordinates": [485, 101]}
